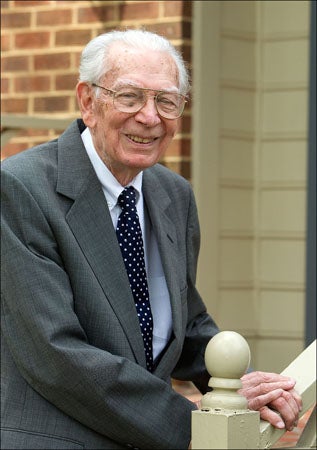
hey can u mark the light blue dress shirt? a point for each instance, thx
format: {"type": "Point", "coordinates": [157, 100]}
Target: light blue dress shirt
{"type": "Point", "coordinates": [159, 295]}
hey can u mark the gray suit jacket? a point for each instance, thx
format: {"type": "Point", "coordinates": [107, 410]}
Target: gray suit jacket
{"type": "Point", "coordinates": [73, 364]}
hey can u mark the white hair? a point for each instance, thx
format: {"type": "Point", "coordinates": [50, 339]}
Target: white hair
{"type": "Point", "coordinates": [93, 63]}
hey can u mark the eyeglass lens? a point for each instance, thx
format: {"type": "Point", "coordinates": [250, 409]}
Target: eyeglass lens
{"type": "Point", "coordinates": [169, 105]}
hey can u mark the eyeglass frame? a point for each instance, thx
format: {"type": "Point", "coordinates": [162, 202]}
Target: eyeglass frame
{"type": "Point", "coordinates": [158, 91]}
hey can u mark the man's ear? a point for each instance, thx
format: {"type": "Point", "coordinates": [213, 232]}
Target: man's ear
{"type": "Point", "coordinates": [85, 99]}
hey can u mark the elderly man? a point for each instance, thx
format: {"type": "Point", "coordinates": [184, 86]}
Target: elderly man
{"type": "Point", "coordinates": [100, 247]}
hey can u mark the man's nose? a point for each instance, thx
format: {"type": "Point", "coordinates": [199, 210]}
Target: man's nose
{"type": "Point", "coordinates": [148, 114]}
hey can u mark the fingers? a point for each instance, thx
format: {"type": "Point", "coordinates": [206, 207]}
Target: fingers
{"type": "Point", "coordinates": [297, 398]}
{"type": "Point", "coordinates": [288, 398]}
{"type": "Point", "coordinates": [263, 382]}
{"type": "Point", "coordinates": [272, 417]}
{"type": "Point", "coordinates": [274, 396]}
{"type": "Point", "coordinates": [263, 388]}
{"type": "Point", "coordinates": [258, 402]}
{"type": "Point", "coordinates": [288, 409]}
{"type": "Point", "coordinates": [285, 410]}
{"type": "Point", "coordinates": [257, 378]}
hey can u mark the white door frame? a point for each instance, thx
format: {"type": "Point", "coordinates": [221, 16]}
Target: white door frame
{"type": "Point", "coordinates": [205, 142]}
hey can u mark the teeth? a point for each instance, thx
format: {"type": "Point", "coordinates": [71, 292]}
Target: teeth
{"type": "Point", "coordinates": [139, 139]}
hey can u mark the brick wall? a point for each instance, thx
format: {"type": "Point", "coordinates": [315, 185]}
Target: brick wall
{"type": "Point", "coordinates": [41, 45]}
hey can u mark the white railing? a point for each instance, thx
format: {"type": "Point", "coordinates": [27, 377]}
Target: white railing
{"type": "Point", "coordinates": [224, 422]}
{"type": "Point", "coordinates": [11, 124]}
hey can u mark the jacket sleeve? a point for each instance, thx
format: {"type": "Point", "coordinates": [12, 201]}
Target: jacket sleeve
{"type": "Point", "coordinates": [110, 394]}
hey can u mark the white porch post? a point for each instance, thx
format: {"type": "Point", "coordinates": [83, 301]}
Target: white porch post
{"type": "Point", "coordinates": [224, 422]}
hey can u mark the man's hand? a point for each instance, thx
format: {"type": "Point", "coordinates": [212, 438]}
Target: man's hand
{"type": "Point", "coordinates": [270, 394]}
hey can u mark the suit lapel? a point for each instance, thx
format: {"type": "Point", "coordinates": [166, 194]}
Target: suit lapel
{"type": "Point", "coordinates": [160, 211]}
{"type": "Point", "coordinates": [90, 221]}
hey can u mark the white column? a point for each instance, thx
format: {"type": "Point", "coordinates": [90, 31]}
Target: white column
{"type": "Point", "coordinates": [224, 422]}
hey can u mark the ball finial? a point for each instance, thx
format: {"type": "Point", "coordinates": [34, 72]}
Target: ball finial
{"type": "Point", "coordinates": [227, 355]}
{"type": "Point", "coordinates": [227, 358]}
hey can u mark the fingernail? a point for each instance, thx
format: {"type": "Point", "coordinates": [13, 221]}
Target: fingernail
{"type": "Point", "coordinates": [280, 425]}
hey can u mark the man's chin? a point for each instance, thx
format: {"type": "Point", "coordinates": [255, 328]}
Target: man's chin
{"type": "Point", "coordinates": [141, 161]}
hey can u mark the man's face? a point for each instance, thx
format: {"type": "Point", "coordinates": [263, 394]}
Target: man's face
{"type": "Point", "coordinates": [129, 143]}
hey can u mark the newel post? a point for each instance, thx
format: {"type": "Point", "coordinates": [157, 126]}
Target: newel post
{"type": "Point", "coordinates": [224, 420]}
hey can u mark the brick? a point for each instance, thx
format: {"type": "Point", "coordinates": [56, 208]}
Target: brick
{"type": "Point", "coordinates": [15, 20]}
{"type": "Point", "coordinates": [188, 9]}
{"type": "Point", "coordinates": [14, 105]}
{"type": "Point", "coordinates": [139, 11]}
{"type": "Point", "coordinates": [32, 83]}
{"type": "Point", "coordinates": [77, 56]}
{"type": "Point", "coordinates": [72, 37]}
{"type": "Point", "coordinates": [186, 52]}
{"type": "Point", "coordinates": [5, 83]}
{"type": "Point", "coordinates": [185, 125]}
{"type": "Point", "coordinates": [181, 167]}
{"type": "Point", "coordinates": [178, 8]}
{"type": "Point", "coordinates": [52, 62]}
{"type": "Point", "coordinates": [179, 147]}
{"type": "Point", "coordinates": [51, 104]}
{"type": "Point", "coordinates": [5, 42]}
{"type": "Point", "coordinates": [173, 30]}
{"type": "Point", "coordinates": [96, 14]}
{"type": "Point", "coordinates": [66, 82]}
{"type": "Point", "coordinates": [186, 169]}
{"type": "Point", "coordinates": [54, 17]}
{"type": "Point", "coordinates": [173, 8]}
{"type": "Point", "coordinates": [187, 29]}
{"type": "Point", "coordinates": [11, 149]}
{"type": "Point", "coordinates": [32, 40]}
{"type": "Point", "coordinates": [15, 63]}
{"type": "Point", "coordinates": [31, 132]}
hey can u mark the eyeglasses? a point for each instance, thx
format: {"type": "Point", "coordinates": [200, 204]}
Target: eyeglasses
{"type": "Point", "coordinates": [130, 99]}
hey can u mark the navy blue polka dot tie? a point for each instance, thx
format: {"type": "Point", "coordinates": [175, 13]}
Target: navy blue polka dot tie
{"type": "Point", "coordinates": [129, 236]}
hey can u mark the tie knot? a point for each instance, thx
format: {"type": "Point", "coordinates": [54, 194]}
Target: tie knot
{"type": "Point", "coordinates": [127, 198]}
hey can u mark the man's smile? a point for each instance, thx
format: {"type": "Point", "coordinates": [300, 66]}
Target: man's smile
{"type": "Point", "coordinates": [140, 140]}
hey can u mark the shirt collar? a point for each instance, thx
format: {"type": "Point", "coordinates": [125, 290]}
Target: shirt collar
{"type": "Point", "coordinates": [110, 185]}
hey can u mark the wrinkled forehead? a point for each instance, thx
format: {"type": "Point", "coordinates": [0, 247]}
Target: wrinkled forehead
{"type": "Point", "coordinates": [126, 62]}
